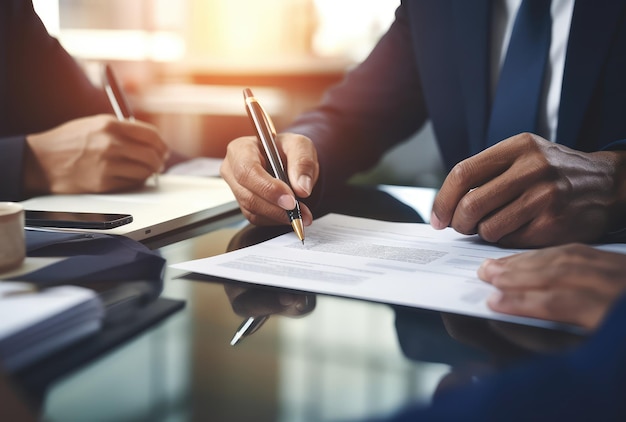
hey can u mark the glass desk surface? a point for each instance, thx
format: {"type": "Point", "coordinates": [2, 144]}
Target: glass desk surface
{"type": "Point", "coordinates": [341, 359]}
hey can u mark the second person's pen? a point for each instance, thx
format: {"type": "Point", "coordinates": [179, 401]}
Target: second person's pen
{"type": "Point", "coordinates": [116, 96]}
{"type": "Point", "coordinates": [266, 134]}
{"type": "Point", "coordinates": [118, 100]}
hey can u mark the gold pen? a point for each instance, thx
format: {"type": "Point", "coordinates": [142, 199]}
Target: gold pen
{"type": "Point", "coordinates": [267, 134]}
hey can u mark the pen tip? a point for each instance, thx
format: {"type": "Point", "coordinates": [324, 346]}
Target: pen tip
{"type": "Point", "coordinates": [235, 339]}
{"type": "Point", "coordinates": [298, 228]}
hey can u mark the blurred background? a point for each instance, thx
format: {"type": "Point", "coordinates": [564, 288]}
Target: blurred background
{"type": "Point", "coordinates": [184, 63]}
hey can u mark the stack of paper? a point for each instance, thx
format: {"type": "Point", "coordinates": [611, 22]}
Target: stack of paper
{"type": "Point", "coordinates": [34, 324]}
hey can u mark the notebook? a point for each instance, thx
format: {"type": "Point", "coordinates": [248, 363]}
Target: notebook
{"type": "Point", "coordinates": [173, 203]}
{"type": "Point", "coordinates": [34, 325]}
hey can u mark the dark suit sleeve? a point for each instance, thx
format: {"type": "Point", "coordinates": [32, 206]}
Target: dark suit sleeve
{"type": "Point", "coordinates": [586, 384]}
{"type": "Point", "coordinates": [377, 105]}
{"type": "Point", "coordinates": [41, 86]}
{"type": "Point", "coordinates": [11, 158]}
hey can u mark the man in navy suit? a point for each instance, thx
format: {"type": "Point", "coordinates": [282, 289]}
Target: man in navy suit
{"type": "Point", "coordinates": [57, 134]}
{"type": "Point", "coordinates": [560, 179]}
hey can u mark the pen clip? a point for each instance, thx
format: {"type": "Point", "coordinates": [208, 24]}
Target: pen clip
{"type": "Point", "coordinates": [272, 145]}
{"type": "Point", "coordinates": [268, 121]}
{"type": "Point", "coordinates": [266, 133]}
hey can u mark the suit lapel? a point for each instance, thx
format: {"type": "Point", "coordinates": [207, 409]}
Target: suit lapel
{"type": "Point", "coordinates": [471, 23]}
{"type": "Point", "coordinates": [593, 25]}
{"type": "Point", "coordinates": [451, 45]}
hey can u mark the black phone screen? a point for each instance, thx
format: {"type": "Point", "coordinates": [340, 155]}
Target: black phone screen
{"type": "Point", "coordinates": [76, 220]}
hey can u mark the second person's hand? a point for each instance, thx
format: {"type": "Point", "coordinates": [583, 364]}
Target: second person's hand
{"type": "Point", "coordinates": [262, 198]}
{"type": "Point", "coordinates": [528, 192]}
{"type": "Point", "coordinates": [94, 154]}
{"type": "Point", "coordinates": [572, 283]}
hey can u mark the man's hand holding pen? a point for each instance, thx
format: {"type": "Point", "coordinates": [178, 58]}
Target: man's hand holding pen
{"type": "Point", "coordinates": [266, 134]}
{"type": "Point", "coordinates": [93, 154]}
{"type": "Point", "coordinates": [263, 198]}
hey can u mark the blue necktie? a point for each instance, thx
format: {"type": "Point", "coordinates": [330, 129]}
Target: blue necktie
{"type": "Point", "coordinates": [515, 107]}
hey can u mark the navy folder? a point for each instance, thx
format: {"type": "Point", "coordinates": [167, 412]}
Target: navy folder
{"type": "Point", "coordinates": [129, 278]}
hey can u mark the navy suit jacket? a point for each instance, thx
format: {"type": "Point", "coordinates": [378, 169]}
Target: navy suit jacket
{"type": "Point", "coordinates": [584, 384]}
{"type": "Point", "coordinates": [433, 63]}
{"type": "Point", "coordinates": [41, 87]}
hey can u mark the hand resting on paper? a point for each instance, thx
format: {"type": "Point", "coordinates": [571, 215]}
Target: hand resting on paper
{"type": "Point", "coordinates": [529, 192]}
{"type": "Point", "coordinates": [572, 283]}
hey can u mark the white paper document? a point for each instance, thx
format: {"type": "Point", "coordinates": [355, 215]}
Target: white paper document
{"type": "Point", "coordinates": [397, 263]}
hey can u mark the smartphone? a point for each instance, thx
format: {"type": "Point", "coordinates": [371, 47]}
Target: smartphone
{"type": "Point", "coordinates": [75, 220]}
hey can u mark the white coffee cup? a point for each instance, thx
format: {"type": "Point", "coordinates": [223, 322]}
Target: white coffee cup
{"type": "Point", "coordinates": [12, 245]}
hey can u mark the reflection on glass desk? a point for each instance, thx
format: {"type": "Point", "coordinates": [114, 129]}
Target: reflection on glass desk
{"type": "Point", "coordinates": [319, 359]}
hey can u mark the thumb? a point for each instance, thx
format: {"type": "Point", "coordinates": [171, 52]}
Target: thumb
{"type": "Point", "coordinates": [301, 162]}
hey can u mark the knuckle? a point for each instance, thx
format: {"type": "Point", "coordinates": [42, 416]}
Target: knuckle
{"type": "Point", "coordinates": [253, 218]}
{"type": "Point", "coordinates": [290, 139]}
{"type": "Point", "coordinates": [549, 198]}
{"type": "Point", "coordinates": [225, 171]}
{"type": "Point", "coordinates": [306, 161]}
{"type": "Point", "coordinates": [552, 303]}
{"type": "Point", "coordinates": [470, 207]}
{"type": "Point", "coordinates": [306, 164]}
{"type": "Point", "coordinates": [527, 141]}
{"type": "Point", "coordinates": [98, 141]}
{"type": "Point", "coordinates": [459, 172]}
{"type": "Point", "coordinates": [489, 232]}
{"type": "Point", "coordinates": [100, 186]}
{"type": "Point", "coordinates": [250, 215]}
{"type": "Point", "coordinates": [106, 122]}
{"type": "Point", "coordinates": [467, 214]}
{"type": "Point", "coordinates": [576, 249]}
{"type": "Point", "coordinates": [243, 171]}
{"type": "Point", "coordinates": [464, 229]}
{"type": "Point", "coordinates": [233, 146]}
{"type": "Point", "coordinates": [571, 257]}
{"type": "Point", "coordinates": [549, 192]}
{"type": "Point", "coordinates": [247, 200]}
